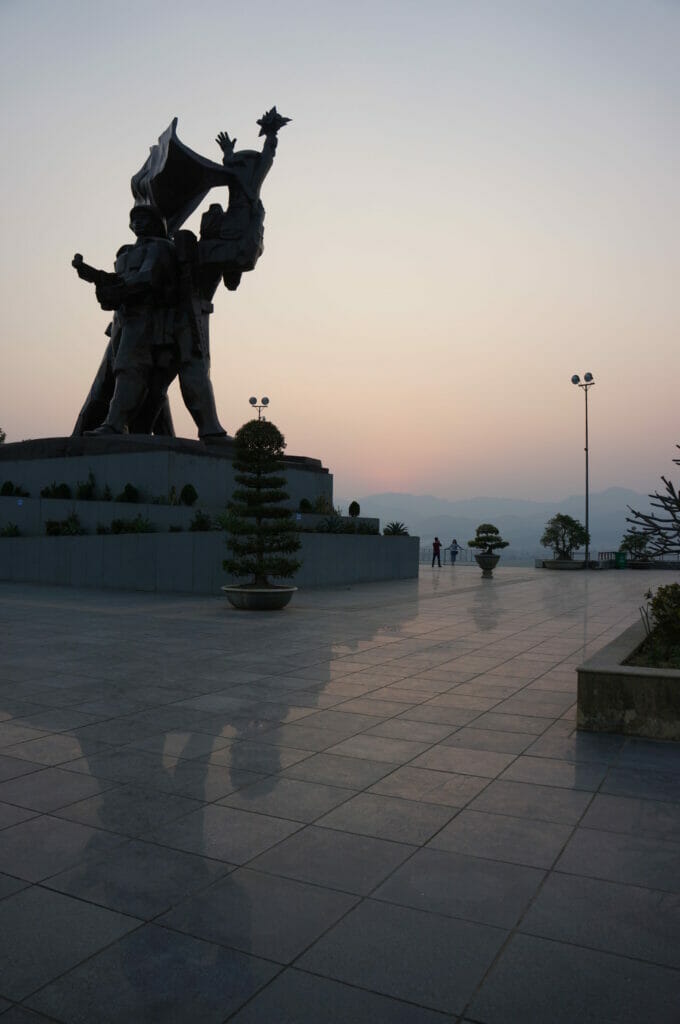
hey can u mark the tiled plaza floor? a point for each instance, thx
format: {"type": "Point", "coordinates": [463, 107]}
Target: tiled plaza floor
{"type": "Point", "coordinates": [372, 806]}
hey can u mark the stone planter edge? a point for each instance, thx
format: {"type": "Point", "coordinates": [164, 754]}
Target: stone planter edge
{"type": "Point", "coordinates": [628, 699]}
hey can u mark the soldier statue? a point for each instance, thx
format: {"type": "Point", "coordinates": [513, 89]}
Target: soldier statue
{"type": "Point", "coordinates": [162, 287]}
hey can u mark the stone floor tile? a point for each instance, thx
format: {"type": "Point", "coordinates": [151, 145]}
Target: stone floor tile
{"type": "Point", "coordinates": [21, 1015]}
{"type": "Point", "coordinates": [10, 885]}
{"type": "Point", "coordinates": [199, 780]}
{"type": "Point", "coordinates": [140, 879]}
{"type": "Point", "coordinates": [633, 816]}
{"type": "Point", "coordinates": [418, 732]}
{"type": "Point", "coordinates": [379, 748]}
{"type": "Point", "coordinates": [251, 755]}
{"type": "Point", "coordinates": [427, 959]}
{"type": "Point", "coordinates": [128, 810]}
{"type": "Point", "coordinates": [386, 817]}
{"type": "Point", "coordinates": [11, 815]}
{"type": "Point", "coordinates": [54, 749]}
{"type": "Point", "coordinates": [337, 860]}
{"type": "Point", "coordinates": [50, 788]}
{"type": "Point", "coordinates": [439, 716]}
{"type": "Point", "coordinates": [267, 916]}
{"type": "Point", "coordinates": [432, 787]}
{"type": "Point", "coordinates": [178, 743]}
{"type": "Point", "coordinates": [485, 763]}
{"type": "Point", "coordinates": [524, 800]}
{"type": "Point", "coordinates": [640, 923]}
{"type": "Point", "coordinates": [486, 891]}
{"type": "Point", "coordinates": [224, 833]}
{"type": "Point", "coordinates": [598, 749]}
{"type": "Point", "coordinates": [501, 837]}
{"type": "Point", "coordinates": [647, 754]}
{"type": "Point", "coordinates": [301, 737]}
{"type": "Point", "coordinates": [639, 782]}
{"type": "Point", "coordinates": [288, 798]}
{"type": "Point", "coordinates": [542, 980]}
{"type": "Point", "coordinates": [347, 772]}
{"type": "Point", "coordinates": [511, 723]}
{"type": "Point", "coordinates": [43, 934]}
{"type": "Point", "coordinates": [42, 846]}
{"type": "Point", "coordinates": [551, 772]}
{"type": "Point", "coordinates": [473, 738]}
{"type": "Point", "coordinates": [13, 767]}
{"type": "Point", "coordinates": [155, 975]}
{"type": "Point", "coordinates": [295, 997]}
{"type": "Point", "coordinates": [637, 860]}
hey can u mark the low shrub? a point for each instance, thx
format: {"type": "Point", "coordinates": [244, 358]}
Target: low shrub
{"type": "Point", "coordinates": [188, 495]}
{"type": "Point", "coordinates": [138, 524]}
{"type": "Point", "coordinates": [10, 490]}
{"type": "Point", "coordinates": [129, 494]}
{"type": "Point", "coordinates": [69, 527]}
{"type": "Point", "coordinates": [201, 522]}
{"type": "Point", "coordinates": [10, 530]}
{"type": "Point", "coordinates": [305, 505]}
{"type": "Point", "coordinates": [86, 489]}
{"type": "Point", "coordinates": [56, 491]}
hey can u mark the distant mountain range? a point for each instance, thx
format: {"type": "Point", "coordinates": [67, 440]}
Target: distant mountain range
{"type": "Point", "coordinates": [520, 521]}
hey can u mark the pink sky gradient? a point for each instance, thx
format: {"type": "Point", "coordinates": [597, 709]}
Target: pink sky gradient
{"type": "Point", "coordinates": [473, 202]}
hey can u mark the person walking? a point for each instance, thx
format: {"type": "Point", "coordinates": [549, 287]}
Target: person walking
{"type": "Point", "coordinates": [454, 549]}
{"type": "Point", "coordinates": [436, 549]}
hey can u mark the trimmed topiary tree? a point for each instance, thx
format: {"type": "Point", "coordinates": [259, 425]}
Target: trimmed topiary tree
{"type": "Point", "coordinates": [354, 509]}
{"type": "Point", "coordinates": [564, 534]}
{"type": "Point", "coordinates": [261, 532]}
{"type": "Point", "coordinates": [488, 538]}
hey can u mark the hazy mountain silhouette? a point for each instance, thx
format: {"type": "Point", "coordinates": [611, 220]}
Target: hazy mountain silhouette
{"type": "Point", "coordinates": [520, 521]}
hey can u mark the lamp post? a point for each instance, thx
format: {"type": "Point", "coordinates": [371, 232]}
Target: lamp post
{"type": "Point", "coordinates": [586, 384]}
{"type": "Point", "coordinates": [264, 402]}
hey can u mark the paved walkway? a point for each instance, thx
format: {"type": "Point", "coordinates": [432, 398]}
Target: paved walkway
{"type": "Point", "coordinates": [372, 806]}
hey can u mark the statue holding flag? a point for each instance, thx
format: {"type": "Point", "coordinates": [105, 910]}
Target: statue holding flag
{"type": "Point", "coordinates": [162, 287]}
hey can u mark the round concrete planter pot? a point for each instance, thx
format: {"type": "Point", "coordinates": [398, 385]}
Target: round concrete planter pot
{"type": "Point", "coordinates": [259, 599]}
{"type": "Point", "coordinates": [487, 563]}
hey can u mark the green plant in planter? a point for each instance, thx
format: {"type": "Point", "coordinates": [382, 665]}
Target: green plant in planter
{"type": "Point", "coordinates": [354, 509]}
{"type": "Point", "coordinates": [395, 529]}
{"type": "Point", "coordinates": [488, 538]}
{"type": "Point", "coordinates": [635, 543]}
{"type": "Point", "coordinates": [261, 532]}
{"type": "Point", "coordinates": [564, 534]}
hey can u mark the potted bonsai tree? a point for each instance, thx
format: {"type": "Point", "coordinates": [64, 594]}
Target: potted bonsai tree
{"type": "Point", "coordinates": [564, 535]}
{"type": "Point", "coordinates": [488, 539]}
{"type": "Point", "coordinates": [261, 532]}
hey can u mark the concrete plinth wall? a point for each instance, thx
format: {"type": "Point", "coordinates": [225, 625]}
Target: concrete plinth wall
{"type": "Point", "coordinates": [192, 562]}
{"type": "Point", "coordinates": [153, 465]}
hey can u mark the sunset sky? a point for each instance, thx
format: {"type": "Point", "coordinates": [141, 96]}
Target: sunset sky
{"type": "Point", "coordinates": [474, 201]}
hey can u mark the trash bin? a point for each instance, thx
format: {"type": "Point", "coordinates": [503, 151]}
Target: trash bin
{"type": "Point", "coordinates": [620, 560]}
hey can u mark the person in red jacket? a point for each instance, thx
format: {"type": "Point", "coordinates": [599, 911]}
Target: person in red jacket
{"type": "Point", "coordinates": [436, 549]}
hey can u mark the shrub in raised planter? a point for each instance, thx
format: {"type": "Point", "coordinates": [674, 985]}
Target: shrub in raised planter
{"type": "Point", "coordinates": [564, 535]}
{"type": "Point", "coordinates": [354, 509]}
{"type": "Point", "coordinates": [488, 539]}
{"type": "Point", "coordinates": [262, 535]}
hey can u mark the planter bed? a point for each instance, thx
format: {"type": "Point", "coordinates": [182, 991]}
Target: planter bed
{"type": "Point", "coordinates": [629, 699]}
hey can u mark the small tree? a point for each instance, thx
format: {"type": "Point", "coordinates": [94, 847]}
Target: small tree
{"type": "Point", "coordinates": [3, 435]}
{"type": "Point", "coordinates": [564, 535]}
{"type": "Point", "coordinates": [634, 543]}
{"type": "Point", "coordinates": [354, 509]}
{"type": "Point", "coordinates": [488, 538]}
{"type": "Point", "coordinates": [662, 531]}
{"type": "Point", "coordinates": [262, 533]}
